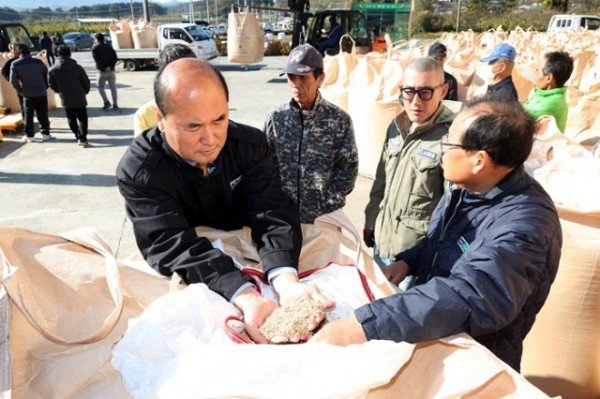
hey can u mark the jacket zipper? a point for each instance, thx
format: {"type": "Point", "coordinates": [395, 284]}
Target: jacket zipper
{"type": "Point", "coordinates": [444, 230]}
{"type": "Point", "coordinates": [299, 171]}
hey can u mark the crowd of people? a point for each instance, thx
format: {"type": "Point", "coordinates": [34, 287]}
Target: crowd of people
{"type": "Point", "coordinates": [453, 217]}
{"type": "Point", "coordinates": [31, 78]}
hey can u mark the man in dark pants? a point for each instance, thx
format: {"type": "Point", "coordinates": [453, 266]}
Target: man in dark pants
{"type": "Point", "coordinates": [106, 59]}
{"type": "Point", "coordinates": [70, 81]}
{"type": "Point", "coordinates": [46, 44]}
{"type": "Point", "coordinates": [29, 77]}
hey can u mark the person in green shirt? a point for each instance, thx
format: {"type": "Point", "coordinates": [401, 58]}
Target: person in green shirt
{"type": "Point", "coordinates": [550, 94]}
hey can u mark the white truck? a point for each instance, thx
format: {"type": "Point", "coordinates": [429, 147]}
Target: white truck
{"type": "Point", "coordinates": [194, 36]}
{"type": "Point", "coordinates": [573, 22]}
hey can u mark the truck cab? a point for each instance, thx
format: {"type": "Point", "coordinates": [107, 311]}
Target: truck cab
{"type": "Point", "coordinates": [14, 32]}
{"type": "Point", "coordinates": [573, 22]}
{"type": "Point", "coordinates": [352, 22]}
{"type": "Point", "coordinates": [194, 36]}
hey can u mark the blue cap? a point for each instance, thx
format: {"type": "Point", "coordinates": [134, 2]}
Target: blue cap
{"type": "Point", "coordinates": [501, 50]}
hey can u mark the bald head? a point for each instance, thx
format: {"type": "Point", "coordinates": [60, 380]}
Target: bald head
{"type": "Point", "coordinates": [427, 65]}
{"type": "Point", "coordinates": [179, 75]}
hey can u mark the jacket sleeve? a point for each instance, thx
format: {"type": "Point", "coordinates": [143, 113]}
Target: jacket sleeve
{"type": "Point", "coordinates": [14, 79]}
{"type": "Point", "coordinates": [378, 188]}
{"type": "Point", "coordinates": [452, 89]}
{"type": "Point", "coordinates": [271, 141]}
{"type": "Point", "coordinates": [485, 291]}
{"type": "Point", "coordinates": [274, 219]}
{"type": "Point", "coordinates": [345, 168]}
{"type": "Point", "coordinates": [53, 83]}
{"type": "Point", "coordinates": [169, 244]}
{"type": "Point", "coordinates": [113, 59]}
{"type": "Point", "coordinates": [85, 81]}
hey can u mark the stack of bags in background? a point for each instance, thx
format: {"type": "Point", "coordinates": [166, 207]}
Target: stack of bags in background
{"type": "Point", "coordinates": [562, 352]}
{"type": "Point", "coordinates": [245, 38]}
{"type": "Point", "coordinates": [126, 34]}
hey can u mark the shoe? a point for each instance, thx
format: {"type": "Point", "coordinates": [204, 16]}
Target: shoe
{"type": "Point", "coordinates": [106, 106]}
{"type": "Point", "coordinates": [26, 139]}
{"type": "Point", "coordinates": [116, 108]}
{"type": "Point", "coordinates": [83, 143]}
{"type": "Point", "coordinates": [46, 137]}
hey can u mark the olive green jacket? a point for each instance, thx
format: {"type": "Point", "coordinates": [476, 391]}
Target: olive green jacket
{"type": "Point", "coordinates": [409, 183]}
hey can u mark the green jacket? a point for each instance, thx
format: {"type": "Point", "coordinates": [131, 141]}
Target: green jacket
{"type": "Point", "coordinates": [549, 102]}
{"type": "Point", "coordinates": [409, 183]}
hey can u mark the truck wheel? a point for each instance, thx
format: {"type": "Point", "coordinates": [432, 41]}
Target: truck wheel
{"type": "Point", "coordinates": [130, 65]}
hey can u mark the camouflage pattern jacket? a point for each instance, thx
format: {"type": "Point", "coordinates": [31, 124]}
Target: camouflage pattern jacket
{"type": "Point", "coordinates": [315, 154]}
{"type": "Point", "coordinates": [408, 184]}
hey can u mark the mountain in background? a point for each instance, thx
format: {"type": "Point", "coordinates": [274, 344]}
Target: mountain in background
{"type": "Point", "coordinates": [68, 4]}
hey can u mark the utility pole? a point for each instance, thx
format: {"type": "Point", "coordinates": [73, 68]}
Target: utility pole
{"type": "Point", "coordinates": [131, 6]}
{"type": "Point", "coordinates": [216, 12]}
{"type": "Point", "coordinates": [458, 17]}
{"type": "Point", "coordinates": [146, 10]}
{"type": "Point", "coordinates": [207, 13]}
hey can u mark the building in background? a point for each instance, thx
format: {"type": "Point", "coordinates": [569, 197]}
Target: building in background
{"type": "Point", "coordinates": [387, 16]}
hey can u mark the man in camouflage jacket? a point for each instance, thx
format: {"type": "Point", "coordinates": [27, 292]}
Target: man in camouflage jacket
{"type": "Point", "coordinates": [312, 141]}
{"type": "Point", "coordinates": [409, 181]}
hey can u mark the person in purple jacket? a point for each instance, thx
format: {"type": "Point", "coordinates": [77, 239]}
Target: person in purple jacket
{"type": "Point", "coordinates": [491, 252]}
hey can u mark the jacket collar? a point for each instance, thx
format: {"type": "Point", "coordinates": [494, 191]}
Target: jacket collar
{"type": "Point", "coordinates": [403, 123]}
{"type": "Point", "coordinates": [511, 182]}
{"type": "Point", "coordinates": [551, 92]}
{"type": "Point", "coordinates": [307, 114]}
{"type": "Point", "coordinates": [507, 81]}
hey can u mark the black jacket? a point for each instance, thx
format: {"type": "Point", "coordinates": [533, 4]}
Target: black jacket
{"type": "Point", "coordinates": [46, 43]}
{"type": "Point", "coordinates": [504, 89]}
{"type": "Point", "coordinates": [450, 80]}
{"type": "Point", "coordinates": [70, 81]}
{"type": "Point", "coordinates": [6, 68]}
{"type": "Point", "coordinates": [29, 76]}
{"type": "Point", "coordinates": [104, 56]}
{"type": "Point", "coordinates": [485, 268]}
{"type": "Point", "coordinates": [166, 198]}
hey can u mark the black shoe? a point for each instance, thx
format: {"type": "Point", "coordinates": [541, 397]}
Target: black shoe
{"type": "Point", "coordinates": [83, 142]}
{"type": "Point", "coordinates": [116, 108]}
{"type": "Point", "coordinates": [106, 106]}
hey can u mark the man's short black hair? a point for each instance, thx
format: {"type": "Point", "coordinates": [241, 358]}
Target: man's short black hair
{"type": "Point", "coordinates": [503, 129]}
{"type": "Point", "coordinates": [161, 92]}
{"type": "Point", "coordinates": [63, 51]}
{"type": "Point", "coordinates": [100, 37]}
{"type": "Point", "coordinates": [560, 65]}
{"type": "Point", "coordinates": [23, 48]}
{"type": "Point", "coordinates": [44, 33]}
{"type": "Point", "coordinates": [172, 52]}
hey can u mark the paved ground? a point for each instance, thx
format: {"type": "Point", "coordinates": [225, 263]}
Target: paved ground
{"type": "Point", "coordinates": [57, 186]}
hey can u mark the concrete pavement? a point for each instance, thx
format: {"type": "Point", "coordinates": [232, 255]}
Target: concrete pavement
{"type": "Point", "coordinates": [57, 186]}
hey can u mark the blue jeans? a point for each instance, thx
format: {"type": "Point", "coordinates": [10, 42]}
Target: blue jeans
{"type": "Point", "coordinates": [405, 284]}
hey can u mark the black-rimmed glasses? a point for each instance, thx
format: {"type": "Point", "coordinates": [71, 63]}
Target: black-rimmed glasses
{"type": "Point", "coordinates": [444, 143]}
{"type": "Point", "coordinates": [424, 93]}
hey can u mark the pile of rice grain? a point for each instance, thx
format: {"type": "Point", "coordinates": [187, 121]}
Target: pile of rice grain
{"type": "Point", "coordinates": [292, 320]}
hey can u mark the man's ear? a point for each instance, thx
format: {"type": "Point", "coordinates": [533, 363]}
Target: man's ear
{"type": "Point", "coordinates": [444, 90]}
{"type": "Point", "coordinates": [320, 79]}
{"type": "Point", "coordinates": [480, 161]}
{"type": "Point", "coordinates": [159, 120]}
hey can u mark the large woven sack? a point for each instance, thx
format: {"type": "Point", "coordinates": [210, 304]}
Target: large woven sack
{"type": "Point", "coordinates": [562, 351]}
{"type": "Point", "coordinates": [8, 94]}
{"type": "Point", "coordinates": [337, 76]}
{"type": "Point", "coordinates": [120, 34]}
{"type": "Point", "coordinates": [245, 38]}
{"type": "Point", "coordinates": [583, 124]}
{"type": "Point", "coordinates": [144, 35]}
{"type": "Point", "coordinates": [69, 303]}
{"type": "Point", "coordinates": [373, 103]}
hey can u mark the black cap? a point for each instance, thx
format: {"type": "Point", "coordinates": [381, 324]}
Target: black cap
{"type": "Point", "coordinates": [437, 49]}
{"type": "Point", "coordinates": [303, 60]}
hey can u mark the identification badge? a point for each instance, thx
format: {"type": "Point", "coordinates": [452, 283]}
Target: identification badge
{"type": "Point", "coordinates": [235, 182]}
{"type": "Point", "coordinates": [463, 244]}
{"type": "Point", "coordinates": [427, 154]}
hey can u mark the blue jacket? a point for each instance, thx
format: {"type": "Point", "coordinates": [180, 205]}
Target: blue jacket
{"type": "Point", "coordinates": [485, 268]}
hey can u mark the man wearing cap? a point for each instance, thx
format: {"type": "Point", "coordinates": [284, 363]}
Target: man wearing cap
{"type": "Point", "coordinates": [312, 140]}
{"type": "Point", "coordinates": [409, 180]}
{"type": "Point", "coordinates": [438, 51]}
{"type": "Point", "coordinates": [501, 63]}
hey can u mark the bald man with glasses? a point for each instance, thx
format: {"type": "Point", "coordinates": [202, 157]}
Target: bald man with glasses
{"type": "Point", "coordinates": [409, 180]}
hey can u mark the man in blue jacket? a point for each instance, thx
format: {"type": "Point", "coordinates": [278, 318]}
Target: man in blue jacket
{"type": "Point", "coordinates": [491, 252]}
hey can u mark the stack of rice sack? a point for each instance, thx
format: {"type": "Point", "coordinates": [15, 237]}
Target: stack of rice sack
{"type": "Point", "coordinates": [120, 34]}
{"type": "Point", "coordinates": [144, 34]}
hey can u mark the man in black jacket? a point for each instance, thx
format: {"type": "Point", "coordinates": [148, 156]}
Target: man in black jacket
{"type": "Point", "coordinates": [196, 167]}
{"type": "Point", "coordinates": [438, 52]}
{"type": "Point", "coordinates": [106, 59]}
{"type": "Point", "coordinates": [29, 77]}
{"type": "Point", "coordinates": [70, 81]}
{"type": "Point", "coordinates": [46, 44]}
{"type": "Point", "coordinates": [15, 53]}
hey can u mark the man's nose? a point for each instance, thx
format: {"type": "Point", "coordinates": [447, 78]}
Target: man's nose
{"type": "Point", "coordinates": [208, 136]}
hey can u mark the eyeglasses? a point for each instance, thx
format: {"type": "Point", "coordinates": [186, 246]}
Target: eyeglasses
{"type": "Point", "coordinates": [425, 93]}
{"type": "Point", "coordinates": [445, 143]}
